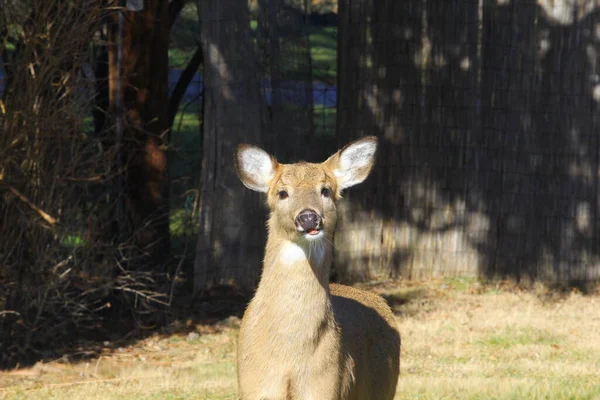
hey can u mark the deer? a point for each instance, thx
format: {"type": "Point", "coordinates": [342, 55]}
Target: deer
{"type": "Point", "coordinates": [302, 338]}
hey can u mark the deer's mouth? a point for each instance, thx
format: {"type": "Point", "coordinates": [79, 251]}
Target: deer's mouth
{"type": "Point", "coordinates": [313, 234]}
{"type": "Point", "coordinates": [310, 233]}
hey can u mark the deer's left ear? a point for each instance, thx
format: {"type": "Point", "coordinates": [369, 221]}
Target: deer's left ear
{"type": "Point", "coordinates": [352, 164]}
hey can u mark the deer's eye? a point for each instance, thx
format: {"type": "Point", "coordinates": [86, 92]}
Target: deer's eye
{"type": "Point", "coordinates": [326, 192]}
{"type": "Point", "coordinates": [282, 194]}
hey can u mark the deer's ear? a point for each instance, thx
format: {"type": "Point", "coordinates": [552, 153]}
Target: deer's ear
{"type": "Point", "coordinates": [352, 164]}
{"type": "Point", "coordinates": [255, 167]}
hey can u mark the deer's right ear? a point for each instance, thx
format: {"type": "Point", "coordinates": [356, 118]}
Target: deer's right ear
{"type": "Point", "coordinates": [352, 164]}
{"type": "Point", "coordinates": [255, 167]}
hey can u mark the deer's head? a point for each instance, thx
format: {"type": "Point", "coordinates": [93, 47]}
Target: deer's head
{"type": "Point", "coordinates": [302, 196]}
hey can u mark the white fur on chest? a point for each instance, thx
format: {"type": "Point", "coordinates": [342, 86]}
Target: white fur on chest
{"type": "Point", "coordinates": [313, 251]}
{"type": "Point", "coordinates": [291, 253]}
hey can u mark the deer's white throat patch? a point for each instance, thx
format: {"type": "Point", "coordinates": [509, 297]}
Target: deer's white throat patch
{"type": "Point", "coordinates": [313, 250]}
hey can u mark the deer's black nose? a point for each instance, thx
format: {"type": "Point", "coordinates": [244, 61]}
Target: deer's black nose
{"type": "Point", "coordinates": [308, 220]}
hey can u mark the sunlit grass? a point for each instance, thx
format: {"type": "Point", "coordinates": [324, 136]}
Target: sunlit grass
{"type": "Point", "coordinates": [482, 342]}
{"type": "Point", "coordinates": [182, 223]}
{"type": "Point", "coordinates": [467, 341]}
{"type": "Point", "coordinates": [512, 337]}
{"type": "Point", "coordinates": [73, 241]}
{"type": "Point", "coordinates": [323, 42]}
{"type": "Point", "coordinates": [185, 35]}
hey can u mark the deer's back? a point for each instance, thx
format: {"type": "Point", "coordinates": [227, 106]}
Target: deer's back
{"type": "Point", "coordinates": [370, 338]}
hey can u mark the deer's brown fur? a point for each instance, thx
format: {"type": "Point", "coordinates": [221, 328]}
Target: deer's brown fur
{"type": "Point", "coordinates": [302, 338]}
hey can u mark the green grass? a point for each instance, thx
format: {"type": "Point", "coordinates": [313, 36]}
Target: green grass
{"type": "Point", "coordinates": [185, 36]}
{"type": "Point", "coordinates": [182, 223]}
{"type": "Point", "coordinates": [460, 283]}
{"type": "Point", "coordinates": [323, 42]}
{"type": "Point", "coordinates": [325, 120]}
{"type": "Point", "coordinates": [323, 51]}
{"type": "Point", "coordinates": [456, 344]}
{"type": "Point", "coordinates": [513, 337]}
{"type": "Point", "coordinates": [184, 151]}
{"type": "Point", "coordinates": [73, 241]}
{"type": "Point", "coordinates": [184, 173]}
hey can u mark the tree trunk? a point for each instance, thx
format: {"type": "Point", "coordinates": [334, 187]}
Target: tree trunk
{"type": "Point", "coordinates": [232, 231]}
{"type": "Point", "coordinates": [288, 67]}
{"type": "Point", "coordinates": [143, 75]}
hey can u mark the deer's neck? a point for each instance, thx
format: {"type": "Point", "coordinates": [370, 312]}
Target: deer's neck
{"type": "Point", "coordinates": [294, 287]}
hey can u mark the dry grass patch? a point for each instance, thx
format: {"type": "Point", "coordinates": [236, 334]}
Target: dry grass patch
{"type": "Point", "coordinates": [199, 365]}
{"type": "Point", "coordinates": [482, 342]}
{"type": "Point", "coordinates": [460, 340]}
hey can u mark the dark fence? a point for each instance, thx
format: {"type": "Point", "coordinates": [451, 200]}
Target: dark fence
{"type": "Point", "coordinates": [487, 114]}
{"type": "Point", "coordinates": [488, 117]}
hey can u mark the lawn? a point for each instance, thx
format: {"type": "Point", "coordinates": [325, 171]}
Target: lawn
{"type": "Point", "coordinates": [460, 340]}
{"type": "Point", "coordinates": [184, 174]}
{"type": "Point", "coordinates": [185, 35]}
{"type": "Point", "coordinates": [323, 50]}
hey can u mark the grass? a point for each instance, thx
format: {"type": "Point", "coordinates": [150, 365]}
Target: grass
{"type": "Point", "coordinates": [73, 241]}
{"type": "Point", "coordinates": [185, 35]}
{"type": "Point", "coordinates": [512, 337]}
{"type": "Point", "coordinates": [459, 341]}
{"type": "Point", "coordinates": [184, 174]}
{"type": "Point", "coordinates": [323, 42]}
{"type": "Point", "coordinates": [324, 120]}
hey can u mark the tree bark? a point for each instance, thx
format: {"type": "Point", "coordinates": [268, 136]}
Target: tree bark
{"type": "Point", "coordinates": [232, 234]}
{"type": "Point", "coordinates": [144, 91]}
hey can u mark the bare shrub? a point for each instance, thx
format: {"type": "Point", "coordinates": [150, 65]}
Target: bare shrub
{"type": "Point", "coordinates": [61, 258]}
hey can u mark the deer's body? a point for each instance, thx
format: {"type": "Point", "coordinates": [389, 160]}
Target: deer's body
{"type": "Point", "coordinates": [302, 338]}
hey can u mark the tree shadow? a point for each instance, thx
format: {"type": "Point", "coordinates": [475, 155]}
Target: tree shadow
{"type": "Point", "coordinates": [217, 307]}
{"type": "Point", "coordinates": [488, 156]}
{"type": "Point", "coordinates": [409, 302]}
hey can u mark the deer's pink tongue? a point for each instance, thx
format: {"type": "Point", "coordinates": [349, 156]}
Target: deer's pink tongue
{"type": "Point", "coordinates": [313, 231]}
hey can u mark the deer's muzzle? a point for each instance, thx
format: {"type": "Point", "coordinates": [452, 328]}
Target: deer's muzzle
{"type": "Point", "coordinates": [309, 221]}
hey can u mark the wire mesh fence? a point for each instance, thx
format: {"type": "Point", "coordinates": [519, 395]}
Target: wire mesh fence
{"type": "Point", "coordinates": [487, 116]}
{"type": "Point", "coordinates": [489, 123]}
{"type": "Point", "coordinates": [486, 112]}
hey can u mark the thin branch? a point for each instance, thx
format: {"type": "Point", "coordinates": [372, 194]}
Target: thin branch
{"type": "Point", "coordinates": [183, 83]}
{"type": "Point", "coordinates": [175, 8]}
{"type": "Point", "coordinates": [47, 217]}
{"type": "Point", "coordinates": [6, 312]}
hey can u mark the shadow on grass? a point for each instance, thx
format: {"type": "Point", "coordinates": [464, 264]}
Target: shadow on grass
{"type": "Point", "coordinates": [408, 302]}
{"type": "Point", "coordinates": [219, 307]}
{"type": "Point", "coordinates": [214, 309]}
